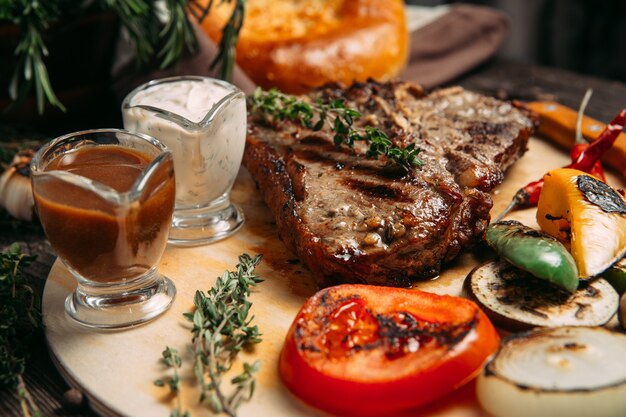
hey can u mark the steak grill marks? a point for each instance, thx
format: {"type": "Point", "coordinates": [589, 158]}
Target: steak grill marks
{"type": "Point", "coordinates": [354, 219]}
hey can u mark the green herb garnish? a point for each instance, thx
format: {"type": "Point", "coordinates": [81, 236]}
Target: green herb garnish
{"type": "Point", "coordinates": [221, 329]}
{"type": "Point", "coordinates": [20, 317]}
{"type": "Point", "coordinates": [314, 116]}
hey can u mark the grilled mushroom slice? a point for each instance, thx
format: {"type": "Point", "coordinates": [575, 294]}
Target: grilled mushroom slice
{"type": "Point", "coordinates": [515, 300]}
{"type": "Point", "coordinates": [563, 371]}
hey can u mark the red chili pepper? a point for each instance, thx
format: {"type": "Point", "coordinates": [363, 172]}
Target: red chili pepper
{"type": "Point", "coordinates": [531, 194]}
{"type": "Point", "coordinates": [596, 170]}
{"type": "Point", "coordinates": [607, 138]}
{"type": "Point", "coordinates": [586, 160]}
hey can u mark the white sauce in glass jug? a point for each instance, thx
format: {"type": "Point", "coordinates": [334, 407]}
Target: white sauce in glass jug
{"type": "Point", "coordinates": [207, 156]}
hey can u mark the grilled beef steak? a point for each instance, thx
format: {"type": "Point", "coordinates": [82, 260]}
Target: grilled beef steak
{"type": "Point", "coordinates": [354, 219]}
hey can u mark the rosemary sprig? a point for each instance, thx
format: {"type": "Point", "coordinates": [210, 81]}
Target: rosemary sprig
{"type": "Point", "coordinates": [225, 58]}
{"type": "Point", "coordinates": [221, 329]}
{"type": "Point", "coordinates": [341, 119]}
{"type": "Point", "coordinates": [33, 18]}
{"type": "Point", "coordinates": [139, 19]}
{"type": "Point", "coordinates": [20, 317]}
{"type": "Point", "coordinates": [177, 33]}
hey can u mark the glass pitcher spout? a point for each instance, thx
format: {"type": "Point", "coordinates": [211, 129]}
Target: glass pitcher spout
{"type": "Point", "coordinates": [152, 177]}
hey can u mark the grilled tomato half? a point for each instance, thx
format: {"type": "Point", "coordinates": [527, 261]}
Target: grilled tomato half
{"type": "Point", "coordinates": [365, 350]}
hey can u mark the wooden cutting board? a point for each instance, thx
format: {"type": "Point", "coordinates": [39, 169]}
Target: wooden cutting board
{"type": "Point", "coordinates": [116, 369]}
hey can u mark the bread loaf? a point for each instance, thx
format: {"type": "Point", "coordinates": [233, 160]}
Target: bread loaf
{"type": "Point", "coordinates": [296, 45]}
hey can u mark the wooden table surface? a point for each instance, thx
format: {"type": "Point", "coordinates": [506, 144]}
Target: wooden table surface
{"type": "Point", "coordinates": [505, 80]}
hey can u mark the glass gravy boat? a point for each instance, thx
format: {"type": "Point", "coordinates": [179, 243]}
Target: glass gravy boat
{"type": "Point", "coordinates": [105, 200]}
{"type": "Point", "coordinates": [203, 122]}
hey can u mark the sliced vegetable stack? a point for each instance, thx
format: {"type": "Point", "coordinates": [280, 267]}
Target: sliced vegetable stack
{"type": "Point", "coordinates": [558, 370]}
{"type": "Point", "coordinates": [555, 369]}
{"type": "Point", "coordinates": [364, 350]}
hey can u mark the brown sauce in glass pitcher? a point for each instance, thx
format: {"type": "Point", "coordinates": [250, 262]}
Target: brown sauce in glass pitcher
{"type": "Point", "coordinates": [102, 240]}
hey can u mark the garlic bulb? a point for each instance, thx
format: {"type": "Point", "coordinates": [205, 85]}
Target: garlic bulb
{"type": "Point", "coordinates": [15, 190]}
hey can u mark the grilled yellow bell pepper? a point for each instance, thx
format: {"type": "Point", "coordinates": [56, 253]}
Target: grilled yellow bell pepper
{"type": "Point", "coordinates": [587, 214]}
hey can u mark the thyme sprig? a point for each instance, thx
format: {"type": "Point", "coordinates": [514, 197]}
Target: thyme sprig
{"type": "Point", "coordinates": [172, 359]}
{"type": "Point", "coordinates": [221, 329]}
{"type": "Point", "coordinates": [20, 317]}
{"type": "Point", "coordinates": [341, 119]}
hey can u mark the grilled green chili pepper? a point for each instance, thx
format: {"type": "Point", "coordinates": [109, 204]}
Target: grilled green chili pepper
{"type": "Point", "coordinates": [537, 253]}
{"type": "Point", "coordinates": [616, 275]}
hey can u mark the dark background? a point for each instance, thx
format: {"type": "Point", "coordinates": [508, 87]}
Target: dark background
{"type": "Point", "coordinates": [585, 36]}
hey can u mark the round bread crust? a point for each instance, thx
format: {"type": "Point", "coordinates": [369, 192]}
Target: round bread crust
{"type": "Point", "coordinates": [366, 39]}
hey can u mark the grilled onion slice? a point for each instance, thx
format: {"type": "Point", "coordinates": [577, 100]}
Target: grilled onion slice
{"type": "Point", "coordinates": [515, 300]}
{"type": "Point", "coordinates": [564, 371]}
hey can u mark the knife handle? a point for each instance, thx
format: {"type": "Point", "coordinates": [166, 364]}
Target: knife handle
{"type": "Point", "coordinates": [558, 123]}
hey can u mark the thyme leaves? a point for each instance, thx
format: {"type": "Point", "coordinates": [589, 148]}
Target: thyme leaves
{"type": "Point", "coordinates": [341, 119]}
{"type": "Point", "coordinates": [222, 327]}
